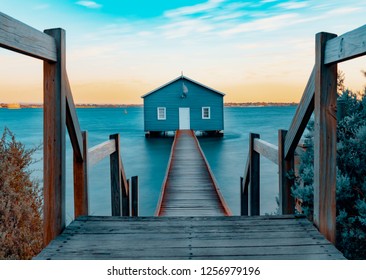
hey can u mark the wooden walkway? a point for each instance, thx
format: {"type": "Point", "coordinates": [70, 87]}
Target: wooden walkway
{"type": "Point", "coordinates": [184, 238]}
{"type": "Point", "coordinates": [189, 187]}
{"type": "Point", "coordinates": [202, 226]}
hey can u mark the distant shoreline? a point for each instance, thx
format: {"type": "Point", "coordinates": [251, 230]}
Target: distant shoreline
{"type": "Point", "coordinates": [230, 104]}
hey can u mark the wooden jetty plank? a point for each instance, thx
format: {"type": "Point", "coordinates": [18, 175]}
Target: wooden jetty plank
{"type": "Point", "coordinates": [189, 187]}
{"type": "Point", "coordinates": [265, 237]}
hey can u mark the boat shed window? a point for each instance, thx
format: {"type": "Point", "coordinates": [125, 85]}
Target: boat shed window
{"type": "Point", "coordinates": [206, 113]}
{"type": "Point", "coordinates": [161, 113]}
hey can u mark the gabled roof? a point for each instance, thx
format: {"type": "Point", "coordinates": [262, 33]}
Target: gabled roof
{"type": "Point", "coordinates": [185, 78]}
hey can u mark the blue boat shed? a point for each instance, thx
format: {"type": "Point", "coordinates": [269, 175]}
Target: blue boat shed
{"type": "Point", "coordinates": [183, 104]}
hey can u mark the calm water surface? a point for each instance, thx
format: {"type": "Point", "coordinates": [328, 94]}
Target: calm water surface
{"type": "Point", "coordinates": [147, 158]}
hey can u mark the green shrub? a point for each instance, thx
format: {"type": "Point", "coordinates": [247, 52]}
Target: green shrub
{"type": "Point", "coordinates": [20, 202]}
{"type": "Point", "coordinates": [351, 177]}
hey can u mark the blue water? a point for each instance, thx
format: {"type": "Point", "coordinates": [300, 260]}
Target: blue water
{"type": "Point", "coordinates": [148, 157]}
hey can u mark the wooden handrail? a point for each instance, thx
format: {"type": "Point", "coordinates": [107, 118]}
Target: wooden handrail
{"type": "Point", "coordinates": [19, 37]}
{"type": "Point", "coordinates": [59, 113]}
{"type": "Point", "coordinates": [72, 121]}
{"type": "Point", "coordinates": [101, 151]}
{"type": "Point", "coordinates": [345, 47]}
{"type": "Point", "coordinates": [266, 149]}
{"type": "Point", "coordinates": [244, 186]}
{"type": "Point", "coordinates": [302, 116]}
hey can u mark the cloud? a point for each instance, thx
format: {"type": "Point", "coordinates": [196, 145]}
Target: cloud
{"type": "Point", "coordinates": [41, 7]}
{"type": "Point", "coordinates": [264, 24]}
{"type": "Point", "coordinates": [89, 4]}
{"type": "Point", "coordinates": [292, 5]}
{"type": "Point", "coordinates": [343, 11]}
{"type": "Point", "coordinates": [190, 10]}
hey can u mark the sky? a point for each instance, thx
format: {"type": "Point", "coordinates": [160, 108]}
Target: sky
{"type": "Point", "coordinates": [119, 50]}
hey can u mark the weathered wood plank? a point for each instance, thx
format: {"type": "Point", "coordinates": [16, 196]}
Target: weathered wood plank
{"type": "Point", "coordinates": [325, 141]}
{"type": "Point", "coordinates": [81, 198]}
{"type": "Point", "coordinates": [72, 121]}
{"type": "Point", "coordinates": [287, 204]}
{"type": "Point", "coordinates": [21, 38]}
{"type": "Point", "coordinates": [101, 151]}
{"type": "Point", "coordinates": [266, 149]}
{"type": "Point", "coordinates": [190, 237]}
{"type": "Point", "coordinates": [302, 116]}
{"type": "Point", "coordinates": [115, 173]}
{"type": "Point", "coordinates": [254, 190]}
{"type": "Point", "coordinates": [54, 149]}
{"type": "Point", "coordinates": [347, 46]}
{"type": "Point", "coordinates": [223, 203]}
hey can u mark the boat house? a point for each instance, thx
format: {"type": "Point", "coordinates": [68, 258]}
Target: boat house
{"type": "Point", "coordinates": [183, 104]}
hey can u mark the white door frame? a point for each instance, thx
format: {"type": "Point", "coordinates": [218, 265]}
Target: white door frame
{"type": "Point", "coordinates": [184, 118]}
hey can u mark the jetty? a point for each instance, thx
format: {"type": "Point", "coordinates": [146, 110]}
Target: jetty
{"type": "Point", "coordinates": [192, 220]}
{"type": "Point", "coordinates": [189, 187]}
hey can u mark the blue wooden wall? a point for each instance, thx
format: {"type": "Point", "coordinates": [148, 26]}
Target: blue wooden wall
{"type": "Point", "coordinates": [197, 97]}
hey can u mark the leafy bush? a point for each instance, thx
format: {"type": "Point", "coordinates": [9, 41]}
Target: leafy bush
{"type": "Point", "coordinates": [351, 177]}
{"type": "Point", "coordinates": [20, 202]}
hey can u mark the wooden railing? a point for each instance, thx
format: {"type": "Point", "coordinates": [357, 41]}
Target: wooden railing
{"type": "Point", "coordinates": [59, 112]}
{"type": "Point", "coordinates": [320, 98]}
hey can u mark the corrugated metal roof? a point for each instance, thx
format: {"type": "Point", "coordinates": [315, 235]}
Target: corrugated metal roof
{"type": "Point", "coordinates": [185, 78]}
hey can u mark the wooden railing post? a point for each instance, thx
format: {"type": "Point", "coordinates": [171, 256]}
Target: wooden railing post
{"type": "Point", "coordinates": [325, 141]}
{"type": "Point", "coordinates": [243, 198]}
{"type": "Point", "coordinates": [54, 134]}
{"type": "Point", "coordinates": [115, 169]}
{"type": "Point", "coordinates": [285, 165]}
{"type": "Point", "coordinates": [254, 165]}
{"type": "Point", "coordinates": [81, 202]}
{"type": "Point", "coordinates": [134, 196]}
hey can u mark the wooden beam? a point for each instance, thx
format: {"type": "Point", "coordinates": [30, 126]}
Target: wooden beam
{"type": "Point", "coordinates": [325, 141]}
{"type": "Point", "coordinates": [115, 170]}
{"type": "Point", "coordinates": [287, 204]}
{"type": "Point", "coordinates": [244, 182]}
{"type": "Point", "coordinates": [254, 190]}
{"type": "Point", "coordinates": [134, 196]}
{"type": "Point", "coordinates": [54, 141]}
{"type": "Point", "coordinates": [72, 122]}
{"type": "Point", "coordinates": [244, 186]}
{"type": "Point", "coordinates": [345, 47]}
{"type": "Point", "coordinates": [266, 149]}
{"type": "Point", "coordinates": [19, 37]}
{"type": "Point", "coordinates": [81, 200]}
{"type": "Point", "coordinates": [302, 116]}
{"type": "Point", "coordinates": [101, 151]}
{"type": "Point", "coordinates": [125, 190]}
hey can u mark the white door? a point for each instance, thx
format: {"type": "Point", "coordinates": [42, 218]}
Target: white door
{"type": "Point", "coordinates": [184, 118]}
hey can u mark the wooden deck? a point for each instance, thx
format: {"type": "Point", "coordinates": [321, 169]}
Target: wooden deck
{"type": "Point", "coordinates": [184, 238]}
{"type": "Point", "coordinates": [189, 187]}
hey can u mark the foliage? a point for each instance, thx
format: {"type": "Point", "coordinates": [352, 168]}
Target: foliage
{"type": "Point", "coordinates": [20, 201]}
{"type": "Point", "coordinates": [351, 179]}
